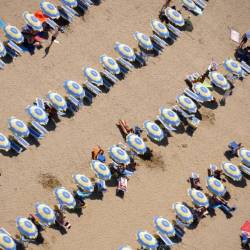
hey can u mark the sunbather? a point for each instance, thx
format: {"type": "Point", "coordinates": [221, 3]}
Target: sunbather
{"type": "Point", "coordinates": [124, 127]}
{"type": "Point", "coordinates": [194, 180]}
{"type": "Point", "coordinates": [60, 218]}
{"type": "Point", "coordinates": [199, 212]}
{"type": "Point", "coordinates": [98, 154]}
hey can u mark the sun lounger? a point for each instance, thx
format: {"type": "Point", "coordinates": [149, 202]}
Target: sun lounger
{"type": "Point", "coordinates": [35, 134]}
{"type": "Point", "coordinates": [39, 127]}
{"type": "Point", "coordinates": [40, 103]}
{"type": "Point", "coordinates": [174, 32]}
{"type": "Point", "coordinates": [201, 3]}
{"type": "Point", "coordinates": [67, 10]}
{"type": "Point", "coordinates": [193, 77]}
{"type": "Point", "coordinates": [141, 58]}
{"type": "Point", "coordinates": [52, 24]}
{"type": "Point", "coordinates": [165, 125]}
{"type": "Point", "coordinates": [17, 148]}
{"type": "Point", "coordinates": [2, 64]}
{"type": "Point", "coordinates": [15, 47]}
{"type": "Point", "coordinates": [245, 67]}
{"type": "Point", "coordinates": [65, 15]}
{"type": "Point", "coordinates": [70, 10]}
{"type": "Point", "coordinates": [165, 239]}
{"type": "Point", "coordinates": [21, 141]}
{"type": "Point", "coordinates": [193, 95]}
{"type": "Point", "coordinates": [94, 89]}
{"type": "Point", "coordinates": [101, 186]}
{"type": "Point", "coordinates": [82, 5]}
{"type": "Point", "coordinates": [245, 169]}
{"type": "Point", "coordinates": [12, 53]}
{"type": "Point", "coordinates": [110, 76]}
{"type": "Point", "coordinates": [179, 232]}
{"type": "Point", "coordinates": [125, 63]}
{"type": "Point", "coordinates": [159, 41]}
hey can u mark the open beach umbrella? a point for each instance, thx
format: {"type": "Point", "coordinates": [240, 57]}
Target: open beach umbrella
{"type": "Point", "coordinates": [32, 21]}
{"type": "Point", "coordinates": [143, 40]}
{"type": "Point", "coordinates": [153, 131]}
{"type": "Point", "coordinates": [18, 127]}
{"type": "Point", "coordinates": [164, 226]}
{"type": "Point", "coordinates": [26, 228]}
{"type": "Point", "coordinates": [136, 143]}
{"type": "Point", "coordinates": [125, 51]}
{"type": "Point", "coordinates": [101, 170]}
{"type": "Point", "coordinates": [169, 116]}
{"type": "Point", "coordinates": [37, 114]}
{"type": "Point", "coordinates": [231, 171]}
{"type": "Point", "coordinates": [45, 214]}
{"type": "Point", "coordinates": [125, 248]}
{"type": "Point", "coordinates": [2, 50]}
{"type": "Point", "coordinates": [215, 186]}
{"type": "Point", "coordinates": [13, 33]}
{"type": "Point", "coordinates": [186, 103]}
{"type": "Point", "coordinates": [244, 155]}
{"type": "Point", "coordinates": [159, 28]}
{"type": "Point", "coordinates": [232, 66]}
{"type": "Point", "coordinates": [74, 89]}
{"type": "Point", "coordinates": [198, 197]}
{"type": "Point", "coordinates": [183, 213]}
{"type": "Point", "coordinates": [64, 197]}
{"type": "Point", "coordinates": [147, 240]}
{"type": "Point", "coordinates": [174, 17]}
{"type": "Point", "coordinates": [70, 3]}
{"type": "Point", "coordinates": [203, 92]}
{"type": "Point", "coordinates": [83, 182]}
{"type": "Point", "coordinates": [93, 76]}
{"type": "Point", "coordinates": [49, 9]}
{"type": "Point", "coordinates": [119, 155]}
{"type": "Point", "coordinates": [6, 242]}
{"type": "Point", "coordinates": [57, 101]}
{"type": "Point", "coordinates": [219, 80]}
{"type": "Point", "coordinates": [4, 142]}
{"type": "Point", "coordinates": [110, 64]}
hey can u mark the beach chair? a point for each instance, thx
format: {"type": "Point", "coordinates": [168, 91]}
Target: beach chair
{"type": "Point", "coordinates": [70, 10]}
{"type": "Point", "coordinates": [101, 186]}
{"type": "Point", "coordinates": [35, 134]}
{"type": "Point", "coordinates": [165, 239]}
{"type": "Point", "coordinates": [39, 127]}
{"type": "Point", "coordinates": [245, 67]}
{"type": "Point", "coordinates": [125, 63]}
{"type": "Point", "coordinates": [21, 141]}
{"type": "Point", "coordinates": [74, 104]}
{"type": "Point", "coordinates": [174, 32]}
{"type": "Point", "coordinates": [52, 24]}
{"type": "Point", "coordinates": [65, 15]}
{"type": "Point", "coordinates": [40, 103]}
{"type": "Point", "coordinates": [159, 41]}
{"type": "Point", "coordinates": [141, 58]}
{"type": "Point", "coordinates": [193, 77]}
{"type": "Point", "coordinates": [201, 3]}
{"type": "Point", "coordinates": [2, 64]}
{"type": "Point", "coordinates": [179, 232]}
{"type": "Point", "coordinates": [15, 47]}
{"type": "Point", "coordinates": [234, 147]}
{"type": "Point", "coordinates": [110, 76]}
{"type": "Point", "coordinates": [81, 5]}
{"type": "Point", "coordinates": [245, 169]}
{"type": "Point", "coordinates": [193, 95]}
{"type": "Point", "coordinates": [15, 146]}
{"type": "Point", "coordinates": [94, 89]}
{"type": "Point", "coordinates": [165, 125]}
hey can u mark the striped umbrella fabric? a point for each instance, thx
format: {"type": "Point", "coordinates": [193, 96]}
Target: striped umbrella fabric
{"type": "Point", "coordinates": [18, 127]}
{"type": "Point", "coordinates": [49, 9]}
{"type": "Point", "coordinates": [136, 143]}
{"type": "Point", "coordinates": [198, 198]}
{"type": "Point", "coordinates": [6, 242]}
{"type": "Point", "coordinates": [125, 248]}
{"type": "Point", "coordinates": [4, 143]}
{"type": "Point", "coordinates": [119, 155]}
{"type": "Point", "coordinates": [13, 33]}
{"type": "Point", "coordinates": [153, 131]}
{"type": "Point", "coordinates": [45, 214]}
{"type": "Point", "coordinates": [2, 50]}
{"type": "Point", "coordinates": [101, 170]}
{"type": "Point", "coordinates": [64, 197]}
{"type": "Point", "coordinates": [186, 103]}
{"type": "Point", "coordinates": [219, 80]}
{"type": "Point", "coordinates": [110, 64]}
{"type": "Point", "coordinates": [147, 240]}
{"type": "Point", "coordinates": [73, 88]}
{"type": "Point", "coordinates": [215, 186]}
{"type": "Point", "coordinates": [143, 40]}
{"type": "Point", "coordinates": [125, 51]}
{"type": "Point", "coordinates": [169, 116]}
{"type": "Point", "coordinates": [232, 171]}
{"type": "Point", "coordinates": [203, 92]}
{"type": "Point", "coordinates": [174, 17]}
{"type": "Point", "coordinates": [164, 226]}
{"type": "Point", "coordinates": [159, 28]}
{"type": "Point", "coordinates": [183, 213]}
{"type": "Point", "coordinates": [70, 3]}
{"type": "Point", "coordinates": [38, 114]}
{"type": "Point", "coordinates": [32, 21]}
{"type": "Point", "coordinates": [57, 101]}
{"type": "Point", "coordinates": [83, 182]}
{"type": "Point", "coordinates": [232, 66]}
{"type": "Point", "coordinates": [26, 228]}
{"type": "Point", "coordinates": [244, 155]}
{"type": "Point", "coordinates": [93, 76]}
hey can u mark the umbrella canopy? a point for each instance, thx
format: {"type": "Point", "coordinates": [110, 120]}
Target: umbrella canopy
{"type": "Point", "coordinates": [203, 92]}
{"type": "Point", "coordinates": [74, 89]}
{"type": "Point", "coordinates": [183, 213]}
{"type": "Point", "coordinates": [174, 17]}
{"type": "Point", "coordinates": [125, 51]}
{"type": "Point", "coordinates": [64, 197]}
{"type": "Point", "coordinates": [215, 186]}
{"type": "Point", "coordinates": [119, 155]}
{"type": "Point", "coordinates": [32, 21]}
{"type": "Point", "coordinates": [232, 66]}
{"type": "Point", "coordinates": [57, 101]}
{"type": "Point", "coordinates": [6, 242]}
{"type": "Point", "coordinates": [244, 155]}
{"type": "Point", "coordinates": [186, 103]}
{"type": "Point", "coordinates": [159, 28]}
{"type": "Point", "coordinates": [164, 226]}
{"type": "Point", "coordinates": [4, 142]}
{"type": "Point", "coordinates": [93, 76]}
{"type": "Point", "coordinates": [246, 227]}
{"type": "Point", "coordinates": [153, 131]}
{"type": "Point", "coordinates": [110, 64]}
{"type": "Point", "coordinates": [169, 116]}
{"type": "Point", "coordinates": [45, 214]}
{"type": "Point", "coordinates": [231, 171]}
{"type": "Point", "coordinates": [147, 240]}
{"type": "Point", "coordinates": [219, 80]}
{"type": "Point", "coordinates": [125, 248]}
{"type": "Point", "coordinates": [70, 3]}
{"type": "Point", "coordinates": [13, 33]}
{"type": "Point", "coordinates": [83, 182]}
{"type": "Point", "coordinates": [136, 143]}
{"type": "Point", "coordinates": [18, 127]}
{"type": "Point", "coordinates": [49, 9]}
{"type": "Point", "coordinates": [143, 40]}
{"type": "Point", "coordinates": [37, 114]}
{"type": "Point", "coordinates": [198, 197]}
{"type": "Point", "coordinates": [2, 50]}
{"type": "Point", "coordinates": [26, 228]}
{"type": "Point", "coordinates": [101, 170]}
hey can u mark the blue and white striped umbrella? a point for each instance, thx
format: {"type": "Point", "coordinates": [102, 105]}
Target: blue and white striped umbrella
{"type": "Point", "coordinates": [169, 116]}
{"type": "Point", "coordinates": [231, 171]}
{"type": "Point", "coordinates": [215, 186]}
{"type": "Point", "coordinates": [198, 197]}
{"type": "Point", "coordinates": [153, 131]}
{"type": "Point", "coordinates": [136, 143]}
{"type": "Point", "coordinates": [183, 213]}
{"type": "Point", "coordinates": [110, 64]}
{"type": "Point", "coordinates": [49, 9]}
{"type": "Point", "coordinates": [244, 155]}
{"type": "Point", "coordinates": [147, 240]}
{"type": "Point", "coordinates": [125, 248]}
{"type": "Point", "coordinates": [119, 155]}
{"type": "Point", "coordinates": [101, 170]}
{"type": "Point", "coordinates": [143, 40]}
{"type": "Point", "coordinates": [232, 66]}
{"type": "Point", "coordinates": [174, 17]}
{"type": "Point", "coordinates": [159, 28]}
{"type": "Point", "coordinates": [4, 142]}
{"type": "Point", "coordinates": [18, 127]}
{"type": "Point", "coordinates": [73, 88]}
{"type": "Point", "coordinates": [64, 197]}
{"type": "Point", "coordinates": [26, 228]}
{"type": "Point", "coordinates": [13, 33]}
{"type": "Point", "coordinates": [70, 3]}
{"type": "Point", "coordinates": [125, 51]}
{"type": "Point", "coordinates": [45, 214]}
{"type": "Point", "coordinates": [83, 182]}
{"type": "Point", "coordinates": [203, 92]}
{"type": "Point", "coordinates": [93, 76]}
{"type": "Point", "coordinates": [2, 50]}
{"type": "Point", "coordinates": [164, 226]}
{"type": "Point", "coordinates": [57, 101]}
{"type": "Point", "coordinates": [186, 103]}
{"type": "Point", "coordinates": [32, 21]}
{"type": "Point", "coordinates": [6, 242]}
{"type": "Point", "coordinates": [37, 114]}
{"type": "Point", "coordinates": [219, 80]}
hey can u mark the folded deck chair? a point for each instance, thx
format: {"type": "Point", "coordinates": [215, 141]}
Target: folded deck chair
{"type": "Point", "coordinates": [125, 63]}
{"type": "Point", "coordinates": [65, 15]}
{"type": "Point", "coordinates": [110, 76]}
{"type": "Point", "coordinates": [201, 3]}
{"type": "Point", "coordinates": [165, 239]}
{"type": "Point", "coordinates": [21, 141]}
{"type": "Point", "coordinates": [52, 24]}
{"type": "Point", "coordinates": [81, 5]}
{"type": "Point", "coordinates": [15, 146]}
{"type": "Point", "coordinates": [74, 104]}
{"type": "Point", "coordinates": [15, 47]}
{"type": "Point", "coordinates": [70, 10]}
{"type": "Point", "coordinates": [165, 125]}
{"type": "Point", "coordinates": [35, 134]}
{"type": "Point", "coordinates": [39, 127]}
{"type": "Point", "coordinates": [179, 232]}
{"type": "Point", "coordinates": [245, 169]}
{"type": "Point", "coordinates": [193, 77]}
{"type": "Point", "coordinates": [67, 10]}
{"type": "Point", "coordinates": [141, 58]}
{"type": "Point", "coordinates": [245, 67]}
{"type": "Point", "coordinates": [193, 95]}
{"type": "Point", "coordinates": [40, 103]}
{"type": "Point", "coordinates": [174, 32]}
{"type": "Point", "coordinates": [159, 41]}
{"type": "Point", "coordinates": [94, 89]}
{"type": "Point", "coordinates": [2, 64]}
{"type": "Point", "coordinates": [234, 147]}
